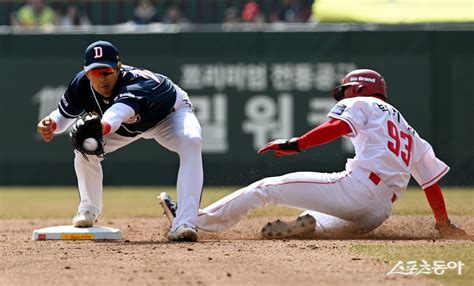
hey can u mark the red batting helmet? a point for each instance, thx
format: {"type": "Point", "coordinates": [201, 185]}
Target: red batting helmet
{"type": "Point", "coordinates": [368, 82]}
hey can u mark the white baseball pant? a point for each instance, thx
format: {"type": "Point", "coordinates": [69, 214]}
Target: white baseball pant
{"type": "Point", "coordinates": [342, 203]}
{"type": "Point", "coordinates": [180, 132]}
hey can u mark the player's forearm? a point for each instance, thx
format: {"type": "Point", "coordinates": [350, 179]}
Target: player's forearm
{"type": "Point", "coordinates": [114, 116]}
{"type": "Point", "coordinates": [436, 201]}
{"type": "Point", "coordinates": [59, 122]}
{"type": "Point", "coordinates": [324, 133]}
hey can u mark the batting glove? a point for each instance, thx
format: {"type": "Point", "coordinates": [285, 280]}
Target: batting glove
{"type": "Point", "coordinates": [450, 230]}
{"type": "Point", "coordinates": [281, 147]}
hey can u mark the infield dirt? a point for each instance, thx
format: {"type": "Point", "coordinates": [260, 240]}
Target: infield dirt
{"type": "Point", "coordinates": [236, 257]}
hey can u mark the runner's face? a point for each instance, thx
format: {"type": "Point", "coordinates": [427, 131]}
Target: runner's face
{"type": "Point", "coordinates": [351, 91]}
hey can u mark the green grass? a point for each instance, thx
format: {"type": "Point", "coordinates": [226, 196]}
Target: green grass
{"type": "Point", "coordinates": [119, 202]}
{"type": "Point", "coordinates": [61, 202]}
{"type": "Point", "coordinates": [429, 252]}
{"type": "Point", "coordinates": [459, 201]}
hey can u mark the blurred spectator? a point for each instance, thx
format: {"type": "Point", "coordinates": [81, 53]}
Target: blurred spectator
{"type": "Point", "coordinates": [274, 16]}
{"type": "Point", "coordinates": [231, 16]}
{"type": "Point", "coordinates": [251, 13]}
{"type": "Point", "coordinates": [313, 18]}
{"type": "Point", "coordinates": [73, 18]}
{"type": "Point", "coordinates": [174, 15]}
{"type": "Point", "coordinates": [34, 13]}
{"type": "Point", "coordinates": [145, 12]}
{"type": "Point", "coordinates": [294, 11]}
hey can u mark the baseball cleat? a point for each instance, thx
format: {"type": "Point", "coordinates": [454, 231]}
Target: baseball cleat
{"type": "Point", "coordinates": [183, 233]}
{"type": "Point", "coordinates": [83, 219]}
{"type": "Point", "coordinates": [282, 229]}
{"type": "Point", "coordinates": [169, 206]}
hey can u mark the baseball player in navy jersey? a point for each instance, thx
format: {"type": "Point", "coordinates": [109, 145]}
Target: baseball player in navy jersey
{"type": "Point", "coordinates": [388, 151]}
{"type": "Point", "coordinates": [133, 103]}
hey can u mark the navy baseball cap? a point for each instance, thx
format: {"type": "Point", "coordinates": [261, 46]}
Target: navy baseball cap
{"type": "Point", "coordinates": [101, 54]}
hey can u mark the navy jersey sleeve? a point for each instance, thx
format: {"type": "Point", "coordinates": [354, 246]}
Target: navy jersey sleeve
{"type": "Point", "coordinates": [130, 98]}
{"type": "Point", "coordinates": [70, 106]}
{"type": "Point", "coordinates": [145, 93]}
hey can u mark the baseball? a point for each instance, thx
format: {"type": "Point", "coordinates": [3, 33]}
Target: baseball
{"type": "Point", "coordinates": [90, 144]}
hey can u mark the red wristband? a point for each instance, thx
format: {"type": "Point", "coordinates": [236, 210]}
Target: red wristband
{"type": "Point", "coordinates": [106, 128]}
{"type": "Point", "coordinates": [54, 126]}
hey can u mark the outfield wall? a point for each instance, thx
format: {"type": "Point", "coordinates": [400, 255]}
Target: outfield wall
{"type": "Point", "coordinates": [248, 88]}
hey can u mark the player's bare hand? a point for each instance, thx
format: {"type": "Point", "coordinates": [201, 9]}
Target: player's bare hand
{"type": "Point", "coordinates": [451, 231]}
{"type": "Point", "coordinates": [46, 129]}
{"type": "Point", "coordinates": [281, 147]}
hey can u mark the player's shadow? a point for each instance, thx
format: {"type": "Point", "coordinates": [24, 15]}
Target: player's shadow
{"type": "Point", "coordinates": [129, 242]}
{"type": "Point", "coordinates": [152, 242]}
{"type": "Point", "coordinates": [373, 235]}
{"type": "Point", "coordinates": [311, 237]}
{"type": "Point", "coordinates": [382, 236]}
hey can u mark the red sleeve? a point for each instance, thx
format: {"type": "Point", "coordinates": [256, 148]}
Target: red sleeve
{"type": "Point", "coordinates": [435, 199]}
{"type": "Point", "coordinates": [324, 133]}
